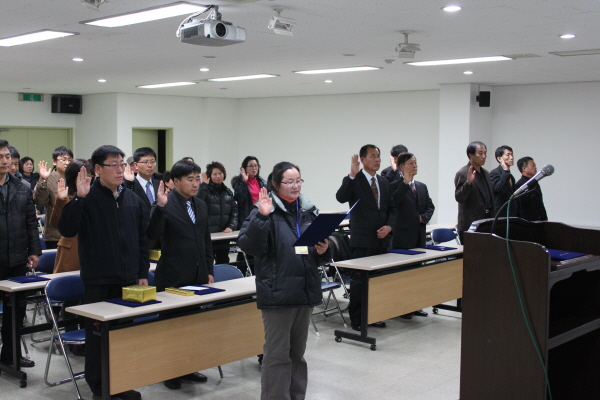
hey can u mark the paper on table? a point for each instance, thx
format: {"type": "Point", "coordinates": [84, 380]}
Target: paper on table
{"type": "Point", "coordinates": [194, 288]}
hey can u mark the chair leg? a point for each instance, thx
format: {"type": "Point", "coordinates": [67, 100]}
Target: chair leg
{"type": "Point", "coordinates": [56, 341]}
{"type": "Point", "coordinates": [248, 270]}
{"type": "Point", "coordinates": [221, 372]}
{"type": "Point", "coordinates": [25, 347]}
{"type": "Point", "coordinates": [314, 326]}
{"type": "Point", "coordinates": [338, 307]}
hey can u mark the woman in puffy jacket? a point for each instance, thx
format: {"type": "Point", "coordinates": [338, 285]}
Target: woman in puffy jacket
{"type": "Point", "coordinates": [222, 208]}
{"type": "Point", "coordinates": [288, 283]}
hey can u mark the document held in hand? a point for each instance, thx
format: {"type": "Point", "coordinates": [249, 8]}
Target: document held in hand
{"type": "Point", "coordinates": [321, 228]}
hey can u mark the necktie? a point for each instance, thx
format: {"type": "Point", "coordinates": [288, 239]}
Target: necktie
{"type": "Point", "coordinates": [414, 190]}
{"type": "Point", "coordinates": [190, 211]}
{"type": "Point", "coordinates": [374, 189]}
{"type": "Point", "coordinates": [149, 192]}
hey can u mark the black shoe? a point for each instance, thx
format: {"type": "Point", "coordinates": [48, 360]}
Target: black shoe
{"type": "Point", "coordinates": [260, 358]}
{"type": "Point", "coordinates": [194, 377]}
{"type": "Point", "coordinates": [406, 316]}
{"type": "Point", "coordinates": [379, 324]}
{"type": "Point", "coordinates": [356, 327]}
{"type": "Point", "coordinates": [173, 384]}
{"type": "Point", "coordinates": [128, 395]}
{"type": "Point", "coordinates": [420, 313]}
{"type": "Point", "coordinates": [26, 363]}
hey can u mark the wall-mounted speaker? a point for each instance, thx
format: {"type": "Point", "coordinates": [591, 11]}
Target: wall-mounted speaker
{"type": "Point", "coordinates": [66, 104]}
{"type": "Point", "coordinates": [483, 99]}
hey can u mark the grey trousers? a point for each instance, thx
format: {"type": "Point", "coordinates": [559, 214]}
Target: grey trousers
{"type": "Point", "coordinates": [284, 370]}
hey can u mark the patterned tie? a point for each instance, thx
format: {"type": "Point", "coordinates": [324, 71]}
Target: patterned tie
{"type": "Point", "coordinates": [412, 187]}
{"type": "Point", "coordinates": [191, 211]}
{"type": "Point", "coordinates": [374, 189]}
{"type": "Point", "coordinates": [149, 192]}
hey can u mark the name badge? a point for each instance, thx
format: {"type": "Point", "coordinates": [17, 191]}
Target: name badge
{"type": "Point", "coordinates": [301, 249]}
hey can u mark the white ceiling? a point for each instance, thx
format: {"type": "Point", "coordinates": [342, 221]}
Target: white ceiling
{"type": "Point", "coordinates": [150, 52]}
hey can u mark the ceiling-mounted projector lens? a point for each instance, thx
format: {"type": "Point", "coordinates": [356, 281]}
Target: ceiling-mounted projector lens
{"type": "Point", "coordinates": [221, 29]}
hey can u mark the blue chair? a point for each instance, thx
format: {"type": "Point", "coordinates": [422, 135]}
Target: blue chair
{"type": "Point", "coordinates": [443, 235]}
{"type": "Point", "coordinates": [63, 289]}
{"type": "Point", "coordinates": [225, 272]}
{"type": "Point", "coordinates": [46, 263]}
{"type": "Point", "coordinates": [43, 243]}
{"type": "Point", "coordinates": [328, 286]}
{"type": "Point", "coordinates": [150, 278]}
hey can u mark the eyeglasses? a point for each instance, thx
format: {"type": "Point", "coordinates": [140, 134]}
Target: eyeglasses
{"type": "Point", "coordinates": [147, 162]}
{"type": "Point", "coordinates": [64, 159]}
{"type": "Point", "coordinates": [294, 183]}
{"type": "Point", "coordinates": [115, 166]}
{"type": "Point", "coordinates": [252, 166]}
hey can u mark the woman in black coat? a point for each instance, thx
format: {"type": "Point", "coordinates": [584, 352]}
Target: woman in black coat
{"type": "Point", "coordinates": [26, 167]}
{"type": "Point", "coordinates": [288, 283]}
{"type": "Point", "coordinates": [246, 187]}
{"type": "Point", "coordinates": [222, 208]}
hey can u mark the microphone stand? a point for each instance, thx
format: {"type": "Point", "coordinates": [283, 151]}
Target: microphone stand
{"type": "Point", "coordinates": [504, 205]}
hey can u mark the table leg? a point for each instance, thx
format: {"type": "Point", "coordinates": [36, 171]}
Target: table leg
{"type": "Point", "coordinates": [104, 330]}
{"type": "Point", "coordinates": [15, 368]}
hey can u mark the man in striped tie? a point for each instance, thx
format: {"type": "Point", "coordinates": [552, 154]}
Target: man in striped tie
{"type": "Point", "coordinates": [180, 220]}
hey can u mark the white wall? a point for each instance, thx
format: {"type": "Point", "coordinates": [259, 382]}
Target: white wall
{"type": "Point", "coordinates": [27, 113]}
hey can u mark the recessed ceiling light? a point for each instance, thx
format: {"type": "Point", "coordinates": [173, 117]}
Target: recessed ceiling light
{"type": "Point", "coordinates": [452, 8]}
{"type": "Point", "coordinates": [567, 36]}
{"type": "Point", "coordinates": [328, 81]}
{"type": "Point", "coordinates": [334, 70]}
{"type": "Point", "coordinates": [242, 78]}
{"type": "Point", "coordinates": [204, 69]}
{"type": "Point", "coordinates": [146, 14]}
{"type": "Point", "coordinates": [78, 59]}
{"type": "Point", "coordinates": [348, 55]}
{"type": "Point", "coordinates": [101, 80]}
{"type": "Point", "coordinates": [161, 85]}
{"type": "Point", "coordinates": [468, 72]}
{"type": "Point", "coordinates": [34, 37]}
{"type": "Point", "coordinates": [209, 56]}
{"type": "Point", "coordinates": [459, 61]}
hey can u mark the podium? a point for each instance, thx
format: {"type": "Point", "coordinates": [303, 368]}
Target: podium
{"type": "Point", "coordinates": [498, 358]}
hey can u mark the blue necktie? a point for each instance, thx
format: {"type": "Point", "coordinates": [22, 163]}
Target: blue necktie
{"type": "Point", "coordinates": [149, 192]}
{"type": "Point", "coordinates": [191, 211]}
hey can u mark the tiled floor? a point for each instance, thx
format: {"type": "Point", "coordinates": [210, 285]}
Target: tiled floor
{"type": "Point", "coordinates": [416, 359]}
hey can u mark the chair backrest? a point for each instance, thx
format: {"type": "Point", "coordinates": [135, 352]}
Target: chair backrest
{"type": "Point", "coordinates": [46, 264]}
{"type": "Point", "coordinates": [224, 272]}
{"type": "Point", "coordinates": [43, 243]}
{"type": "Point", "coordinates": [150, 278]}
{"type": "Point", "coordinates": [442, 235]}
{"type": "Point", "coordinates": [65, 288]}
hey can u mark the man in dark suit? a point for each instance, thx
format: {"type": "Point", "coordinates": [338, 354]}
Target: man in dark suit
{"type": "Point", "coordinates": [531, 204]}
{"type": "Point", "coordinates": [369, 225]}
{"type": "Point", "coordinates": [503, 181]}
{"type": "Point", "coordinates": [392, 173]}
{"type": "Point", "coordinates": [180, 219]}
{"type": "Point", "coordinates": [474, 191]}
{"type": "Point", "coordinates": [145, 183]}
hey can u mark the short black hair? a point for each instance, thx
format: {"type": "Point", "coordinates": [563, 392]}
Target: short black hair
{"type": "Point", "coordinates": [166, 176]}
{"type": "Point", "coordinates": [14, 153]}
{"type": "Point", "coordinates": [522, 163]}
{"type": "Point", "coordinates": [248, 159]}
{"type": "Point", "coordinates": [72, 171]}
{"type": "Point", "coordinates": [500, 151]}
{"type": "Point", "coordinates": [213, 165]}
{"type": "Point", "coordinates": [142, 152]}
{"type": "Point", "coordinates": [188, 159]}
{"type": "Point", "coordinates": [22, 162]}
{"type": "Point", "coordinates": [182, 169]}
{"type": "Point", "coordinates": [277, 174]}
{"type": "Point", "coordinates": [60, 150]}
{"type": "Point", "coordinates": [103, 152]}
{"type": "Point", "coordinates": [397, 149]}
{"type": "Point", "coordinates": [404, 157]}
{"type": "Point", "coordinates": [363, 150]}
{"type": "Point", "coordinates": [472, 147]}
{"type": "Point", "coordinates": [3, 144]}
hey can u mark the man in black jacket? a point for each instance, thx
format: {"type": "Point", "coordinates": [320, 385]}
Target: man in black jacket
{"type": "Point", "coordinates": [19, 247]}
{"type": "Point", "coordinates": [503, 181]}
{"type": "Point", "coordinates": [181, 221]}
{"type": "Point", "coordinates": [113, 249]}
{"type": "Point", "coordinates": [393, 173]}
{"type": "Point", "coordinates": [531, 204]}
{"type": "Point", "coordinates": [369, 225]}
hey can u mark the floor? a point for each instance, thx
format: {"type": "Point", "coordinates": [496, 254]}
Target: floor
{"type": "Point", "coordinates": [416, 359]}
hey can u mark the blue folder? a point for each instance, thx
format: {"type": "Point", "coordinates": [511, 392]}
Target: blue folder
{"type": "Point", "coordinates": [208, 290]}
{"type": "Point", "coordinates": [563, 255]}
{"type": "Point", "coordinates": [321, 228]}
{"type": "Point", "coordinates": [126, 303]}
{"type": "Point", "coordinates": [404, 251]}
{"type": "Point", "coordinates": [439, 248]}
{"type": "Point", "coordinates": [27, 279]}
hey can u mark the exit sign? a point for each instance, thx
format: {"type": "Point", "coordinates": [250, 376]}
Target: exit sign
{"type": "Point", "coordinates": [31, 97]}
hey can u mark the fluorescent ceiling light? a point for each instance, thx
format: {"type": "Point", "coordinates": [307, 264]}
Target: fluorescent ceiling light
{"type": "Point", "coordinates": [161, 85]}
{"type": "Point", "coordinates": [567, 36]}
{"type": "Point", "coordinates": [204, 69]}
{"type": "Point", "coordinates": [452, 8]}
{"type": "Point", "coordinates": [468, 72]}
{"type": "Point", "coordinates": [334, 70]}
{"type": "Point", "coordinates": [78, 59]}
{"type": "Point", "coordinates": [242, 78]}
{"type": "Point", "coordinates": [460, 61]}
{"type": "Point", "coordinates": [575, 52]}
{"type": "Point", "coordinates": [34, 37]}
{"type": "Point", "coordinates": [101, 80]}
{"type": "Point", "coordinates": [147, 14]}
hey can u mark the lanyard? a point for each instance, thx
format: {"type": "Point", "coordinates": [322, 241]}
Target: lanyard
{"type": "Point", "coordinates": [297, 219]}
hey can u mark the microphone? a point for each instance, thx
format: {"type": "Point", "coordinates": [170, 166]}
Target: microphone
{"type": "Point", "coordinates": [546, 170]}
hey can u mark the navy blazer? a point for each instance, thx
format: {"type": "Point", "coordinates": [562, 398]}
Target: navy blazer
{"type": "Point", "coordinates": [407, 230]}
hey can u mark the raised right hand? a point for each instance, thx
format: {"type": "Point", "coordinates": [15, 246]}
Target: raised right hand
{"type": "Point", "coordinates": [44, 171]}
{"type": "Point", "coordinates": [161, 196]}
{"type": "Point", "coordinates": [393, 163]}
{"type": "Point", "coordinates": [205, 178]}
{"type": "Point", "coordinates": [264, 202]}
{"type": "Point", "coordinates": [83, 182]}
{"type": "Point", "coordinates": [128, 175]}
{"type": "Point", "coordinates": [244, 174]}
{"type": "Point", "coordinates": [354, 166]}
{"type": "Point", "coordinates": [62, 190]}
{"type": "Point", "coordinates": [471, 174]}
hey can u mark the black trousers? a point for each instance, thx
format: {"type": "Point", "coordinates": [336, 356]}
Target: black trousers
{"type": "Point", "coordinates": [93, 342]}
{"type": "Point", "coordinates": [6, 355]}
{"type": "Point", "coordinates": [356, 283]}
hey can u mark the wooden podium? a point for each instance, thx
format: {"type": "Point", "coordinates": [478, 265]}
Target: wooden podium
{"type": "Point", "coordinates": [498, 358]}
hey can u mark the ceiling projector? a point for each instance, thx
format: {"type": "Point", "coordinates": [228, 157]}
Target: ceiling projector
{"type": "Point", "coordinates": [211, 33]}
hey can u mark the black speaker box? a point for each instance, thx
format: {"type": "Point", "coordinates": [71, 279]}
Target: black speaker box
{"type": "Point", "coordinates": [66, 104]}
{"type": "Point", "coordinates": [484, 99]}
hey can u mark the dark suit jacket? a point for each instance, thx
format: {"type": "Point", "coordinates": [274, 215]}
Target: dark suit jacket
{"type": "Point", "coordinates": [407, 230]}
{"type": "Point", "coordinates": [503, 190]}
{"type": "Point", "coordinates": [366, 218]}
{"type": "Point", "coordinates": [186, 253]}
{"type": "Point", "coordinates": [531, 205]}
{"type": "Point", "coordinates": [141, 193]}
{"type": "Point", "coordinates": [470, 198]}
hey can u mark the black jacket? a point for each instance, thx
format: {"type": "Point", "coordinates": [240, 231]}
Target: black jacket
{"type": "Point", "coordinates": [243, 198]}
{"type": "Point", "coordinates": [504, 184]}
{"type": "Point", "coordinates": [32, 179]}
{"type": "Point", "coordinates": [187, 256]}
{"type": "Point", "coordinates": [113, 248]}
{"type": "Point", "coordinates": [531, 205]}
{"type": "Point", "coordinates": [222, 210]}
{"type": "Point", "coordinates": [470, 198]}
{"type": "Point", "coordinates": [407, 230]}
{"type": "Point", "coordinates": [284, 279]}
{"type": "Point", "coordinates": [20, 229]}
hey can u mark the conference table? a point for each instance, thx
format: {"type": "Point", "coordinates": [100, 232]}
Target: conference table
{"type": "Point", "coordinates": [397, 284]}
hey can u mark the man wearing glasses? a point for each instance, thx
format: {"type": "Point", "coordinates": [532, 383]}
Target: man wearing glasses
{"type": "Point", "coordinates": [145, 183]}
{"type": "Point", "coordinates": [44, 193]}
{"type": "Point", "coordinates": [113, 249]}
